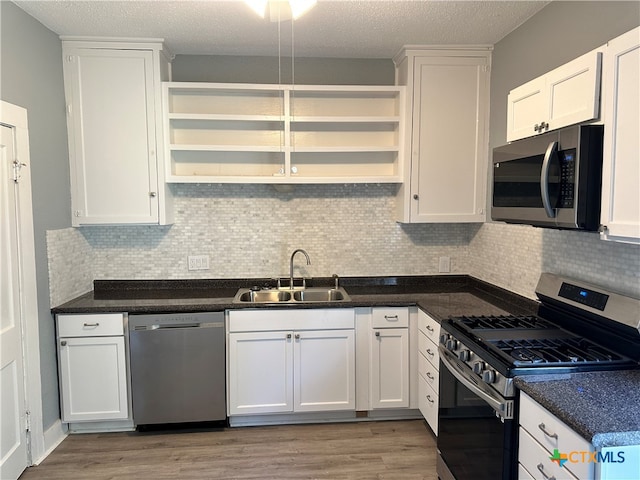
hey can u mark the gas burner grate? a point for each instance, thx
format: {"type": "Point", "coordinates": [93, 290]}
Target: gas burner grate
{"type": "Point", "coordinates": [555, 351]}
{"type": "Point", "coordinates": [503, 322]}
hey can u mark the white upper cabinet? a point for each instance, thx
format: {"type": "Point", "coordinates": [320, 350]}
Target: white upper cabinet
{"type": "Point", "coordinates": [447, 97]}
{"type": "Point", "coordinates": [565, 96]}
{"type": "Point", "coordinates": [250, 133]}
{"type": "Point", "coordinates": [113, 95]}
{"type": "Point", "coordinates": [620, 215]}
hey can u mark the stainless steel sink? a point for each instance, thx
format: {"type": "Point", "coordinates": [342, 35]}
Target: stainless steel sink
{"type": "Point", "coordinates": [319, 295]}
{"type": "Point", "coordinates": [307, 295]}
{"type": "Point", "coordinates": [262, 296]}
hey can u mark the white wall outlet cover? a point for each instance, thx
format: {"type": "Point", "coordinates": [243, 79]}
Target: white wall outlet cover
{"type": "Point", "coordinates": [444, 264]}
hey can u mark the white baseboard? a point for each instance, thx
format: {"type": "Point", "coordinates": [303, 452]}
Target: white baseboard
{"type": "Point", "coordinates": [53, 437]}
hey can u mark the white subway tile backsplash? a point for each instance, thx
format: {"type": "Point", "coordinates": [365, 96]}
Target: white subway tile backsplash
{"type": "Point", "coordinates": [251, 230]}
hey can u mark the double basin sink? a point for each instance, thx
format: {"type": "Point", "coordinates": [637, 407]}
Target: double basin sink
{"type": "Point", "coordinates": [306, 295]}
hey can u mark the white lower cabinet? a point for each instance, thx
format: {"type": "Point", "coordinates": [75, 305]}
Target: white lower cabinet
{"type": "Point", "coordinates": [543, 437]}
{"type": "Point", "coordinates": [389, 373]}
{"type": "Point", "coordinates": [92, 367]}
{"type": "Point", "coordinates": [291, 361]}
{"type": "Point", "coordinates": [428, 367]}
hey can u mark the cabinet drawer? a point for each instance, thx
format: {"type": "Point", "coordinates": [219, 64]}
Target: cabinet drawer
{"type": "Point", "coordinates": [536, 461]}
{"type": "Point", "coordinates": [536, 419]}
{"type": "Point", "coordinates": [429, 349]}
{"type": "Point", "coordinates": [428, 372]}
{"type": "Point", "coordinates": [390, 317]}
{"type": "Point", "coordinates": [428, 326]}
{"type": "Point", "coordinates": [428, 404]}
{"type": "Point", "coordinates": [97, 325]}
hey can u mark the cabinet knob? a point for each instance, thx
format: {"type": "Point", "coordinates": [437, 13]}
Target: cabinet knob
{"type": "Point", "coordinates": [536, 128]}
{"type": "Point", "coordinates": [377, 334]}
{"type": "Point", "coordinates": [297, 336]}
{"type": "Point", "coordinates": [63, 343]}
{"type": "Point", "coordinates": [152, 194]}
{"type": "Point", "coordinates": [288, 335]}
{"type": "Point", "coordinates": [415, 196]}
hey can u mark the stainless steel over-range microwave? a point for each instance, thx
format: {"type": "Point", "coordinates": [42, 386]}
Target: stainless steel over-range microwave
{"type": "Point", "coordinates": [550, 180]}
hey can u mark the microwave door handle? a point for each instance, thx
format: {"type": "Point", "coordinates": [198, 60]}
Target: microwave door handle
{"type": "Point", "coordinates": [552, 150]}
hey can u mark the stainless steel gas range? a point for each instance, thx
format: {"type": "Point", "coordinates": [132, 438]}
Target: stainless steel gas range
{"type": "Point", "coordinates": [578, 327]}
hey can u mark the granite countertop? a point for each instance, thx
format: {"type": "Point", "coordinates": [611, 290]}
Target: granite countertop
{"type": "Point", "coordinates": [603, 407]}
{"type": "Point", "coordinates": [441, 296]}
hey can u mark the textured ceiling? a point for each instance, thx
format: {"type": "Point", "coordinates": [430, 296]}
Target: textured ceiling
{"type": "Point", "coordinates": [349, 29]}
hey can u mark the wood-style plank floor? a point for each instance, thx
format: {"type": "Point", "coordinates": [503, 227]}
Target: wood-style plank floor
{"type": "Point", "coordinates": [392, 450]}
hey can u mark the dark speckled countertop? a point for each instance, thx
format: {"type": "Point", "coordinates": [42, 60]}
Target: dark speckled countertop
{"type": "Point", "coordinates": [603, 407]}
{"type": "Point", "coordinates": [441, 296]}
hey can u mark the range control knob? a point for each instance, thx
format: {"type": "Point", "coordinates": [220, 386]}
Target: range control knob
{"type": "Point", "coordinates": [452, 344]}
{"type": "Point", "coordinates": [479, 367]}
{"type": "Point", "coordinates": [444, 337]}
{"type": "Point", "coordinates": [464, 355]}
{"type": "Point", "coordinates": [489, 376]}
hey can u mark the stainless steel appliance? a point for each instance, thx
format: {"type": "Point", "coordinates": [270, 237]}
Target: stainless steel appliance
{"type": "Point", "coordinates": [177, 367]}
{"type": "Point", "coordinates": [578, 327]}
{"type": "Point", "coordinates": [551, 180]}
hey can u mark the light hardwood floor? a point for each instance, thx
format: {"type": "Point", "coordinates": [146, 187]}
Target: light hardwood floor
{"type": "Point", "coordinates": [393, 450]}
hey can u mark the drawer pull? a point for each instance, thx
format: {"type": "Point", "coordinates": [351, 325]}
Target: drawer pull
{"type": "Point", "coordinates": [288, 335]}
{"type": "Point", "coordinates": [541, 469]}
{"type": "Point", "coordinates": [92, 324]}
{"type": "Point", "coordinates": [391, 317]}
{"type": "Point", "coordinates": [430, 328]}
{"type": "Point", "coordinates": [429, 399]}
{"type": "Point", "coordinates": [430, 352]}
{"type": "Point", "coordinates": [544, 430]}
{"type": "Point", "coordinates": [297, 336]}
{"type": "Point", "coordinates": [430, 377]}
{"type": "Point", "coordinates": [377, 334]}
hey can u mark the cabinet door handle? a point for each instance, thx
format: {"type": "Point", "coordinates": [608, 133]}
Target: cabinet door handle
{"type": "Point", "coordinates": [541, 469]}
{"type": "Point", "coordinates": [391, 317]}
{"type": "Point", "coordinates": [416, 197]}
{"type": "Point", "coordinates": [536, 128]}
{"type": "Point", "coordinates": [297, 336]}
{"type": "Point", "coordinates": [377, 334]}
{"type": "Point", "coordinates": [288, 335]}
{"type": "Point", "coordinates": [544, 430]}
{"type": "Point", "coordinates": [63, 343]}
{"type": "Point", "coordinates": [92, 324]}
{"type": "Point", "coordinates": [152, 194]}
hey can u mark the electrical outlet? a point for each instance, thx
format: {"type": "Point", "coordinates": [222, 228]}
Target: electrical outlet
{"type": "Point", "coordinates": [444, 264]}
{"type": "Point", "coordinates": [198, 262]}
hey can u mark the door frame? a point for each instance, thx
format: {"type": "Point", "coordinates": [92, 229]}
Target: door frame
{"type": "Point", "coordinates": [16, 117]}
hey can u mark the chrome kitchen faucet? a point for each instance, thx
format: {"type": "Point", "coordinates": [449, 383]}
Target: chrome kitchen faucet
{"type": "Point", "coordinates": [291, 266]}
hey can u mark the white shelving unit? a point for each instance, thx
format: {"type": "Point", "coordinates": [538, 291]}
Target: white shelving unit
{"type": "Point", "coordinates": [245, 133]}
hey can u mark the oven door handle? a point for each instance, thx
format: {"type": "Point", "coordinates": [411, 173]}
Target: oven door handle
{"type": "Point", "coordinates": [504, 408]}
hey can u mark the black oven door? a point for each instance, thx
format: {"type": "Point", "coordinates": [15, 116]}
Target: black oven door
{"type": "Point", "coordinates": [477, 435]}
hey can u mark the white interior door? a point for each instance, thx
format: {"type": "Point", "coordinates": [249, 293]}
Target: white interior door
{"type": "Point", "coordinates": [13, 441]}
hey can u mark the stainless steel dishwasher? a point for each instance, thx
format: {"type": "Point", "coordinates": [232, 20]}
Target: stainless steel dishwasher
{"type": "Point", "coordinates": [177, 367]}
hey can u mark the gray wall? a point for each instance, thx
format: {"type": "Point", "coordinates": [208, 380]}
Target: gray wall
{"type": "Point", "coordinates": [309, 71]}
{"type": "Point", "coordinates": [557, 34]}
{"type": "Point", "coordinates": [31, 77]}
{"type": "Point", "coordinates": [513, 256]}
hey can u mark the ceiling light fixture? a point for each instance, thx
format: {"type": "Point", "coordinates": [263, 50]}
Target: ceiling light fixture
{"type": "Point", "coordinates": [281, 10]}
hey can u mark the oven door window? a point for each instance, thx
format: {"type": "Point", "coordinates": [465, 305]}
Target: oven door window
{"type": "Point", "coordinates": [473, 442]}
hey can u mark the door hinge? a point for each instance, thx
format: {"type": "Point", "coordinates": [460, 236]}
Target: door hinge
{"type": "Point", "coordinates": [17, 166]}
{"type": "Point", "coordinates": [27, 418]}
